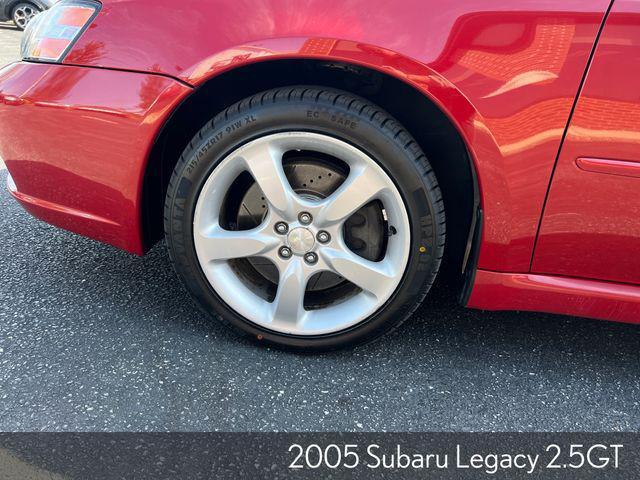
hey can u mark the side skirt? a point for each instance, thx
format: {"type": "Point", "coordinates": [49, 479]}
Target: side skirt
{"type": "Point", "coordinates": [552, 294]}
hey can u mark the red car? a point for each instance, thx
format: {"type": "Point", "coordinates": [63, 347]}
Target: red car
{"type": "Point", "coordinates": [315, 165]}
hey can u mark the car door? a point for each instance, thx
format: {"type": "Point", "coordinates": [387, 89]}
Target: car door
{"type": "Point", "coordinates": [591, 222]}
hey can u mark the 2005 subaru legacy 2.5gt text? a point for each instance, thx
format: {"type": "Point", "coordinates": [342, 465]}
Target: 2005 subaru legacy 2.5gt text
{"type": "Point", "coordinates": [315, 165]}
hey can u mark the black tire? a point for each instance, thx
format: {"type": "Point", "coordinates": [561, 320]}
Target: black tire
{"type": "Point", "coordinates": [335, 113]}
{"type": "Point", "coordinates": [16, 9]}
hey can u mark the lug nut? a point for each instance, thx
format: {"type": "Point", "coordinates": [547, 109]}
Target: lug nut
{"type": "Point", "coordinates": [311, 258]}
{"type": "Point", "coordinates": [305, 218]}
{"type": "Point", "coordinates": [281, 228]}
{"type": "Point", "coordinates": [323, 237]}
{"type": "Point", "coordinates": [285, 252]}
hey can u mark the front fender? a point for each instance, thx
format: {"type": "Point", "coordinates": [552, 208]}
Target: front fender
{"type": "Point", "coordinates": [506, 75]}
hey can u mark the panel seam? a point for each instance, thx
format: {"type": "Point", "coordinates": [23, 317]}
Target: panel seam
{"type": "Point", "coordinates": [596, 42]}
{"type": "Point", "coordinates": [112, 69]}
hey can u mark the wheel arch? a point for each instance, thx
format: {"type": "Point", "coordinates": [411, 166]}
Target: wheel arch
{"type": "Point", "coordinates": [419, 98]}
{"type": "Point", "coordinates": [8, 9]}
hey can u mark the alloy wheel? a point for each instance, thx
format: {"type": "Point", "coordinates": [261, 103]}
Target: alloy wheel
{"type": "Point", "coordinates": [294, 256]}
{"type": "Point", "coordinates": [23, 14]}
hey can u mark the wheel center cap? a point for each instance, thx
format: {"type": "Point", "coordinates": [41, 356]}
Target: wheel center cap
{"type": "Point", "coordinates": [300, 240]}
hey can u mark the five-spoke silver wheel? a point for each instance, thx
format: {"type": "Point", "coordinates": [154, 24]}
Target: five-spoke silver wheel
{"type": "Point", "coordinates": [301, 236]}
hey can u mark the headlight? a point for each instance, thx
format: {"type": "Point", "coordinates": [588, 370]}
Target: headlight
{"type": "Point", "coordinates": [51, 34]}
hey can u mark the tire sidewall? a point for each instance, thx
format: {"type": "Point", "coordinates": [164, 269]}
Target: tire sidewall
{"type": "Point", "coordinates": [227, 133]}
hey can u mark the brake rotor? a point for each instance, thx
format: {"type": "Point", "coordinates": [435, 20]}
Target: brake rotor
{"type": "Point", "coordinates": [315, 179]}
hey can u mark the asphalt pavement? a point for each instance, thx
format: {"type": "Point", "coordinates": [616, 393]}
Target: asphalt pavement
{"type": "Point", "coordinates": [92, 338]}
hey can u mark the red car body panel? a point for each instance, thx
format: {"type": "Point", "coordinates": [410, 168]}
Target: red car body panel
{"type": "Point", "coordinates": [89, 132]}
{"type": "Point", "coordinates": [506, 74]}
{"type": "Point", "coordinates": [563, 295]}
{"type": "Point", "coordinates": [591, 225]}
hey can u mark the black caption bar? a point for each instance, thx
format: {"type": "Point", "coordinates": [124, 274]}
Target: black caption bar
{"type": "Point", "coordinates": [61, 456]}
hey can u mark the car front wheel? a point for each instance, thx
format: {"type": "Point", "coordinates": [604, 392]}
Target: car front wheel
{"type": "Point", "coordinates": [23, 13]}
{"type": "Point", "coordinates": [307, 218]}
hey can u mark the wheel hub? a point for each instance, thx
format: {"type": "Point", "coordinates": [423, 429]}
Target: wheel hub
{"type": "Point", "coordinates": [300, 240]}
{"type": "Point", "coordinates": [313, 179]}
